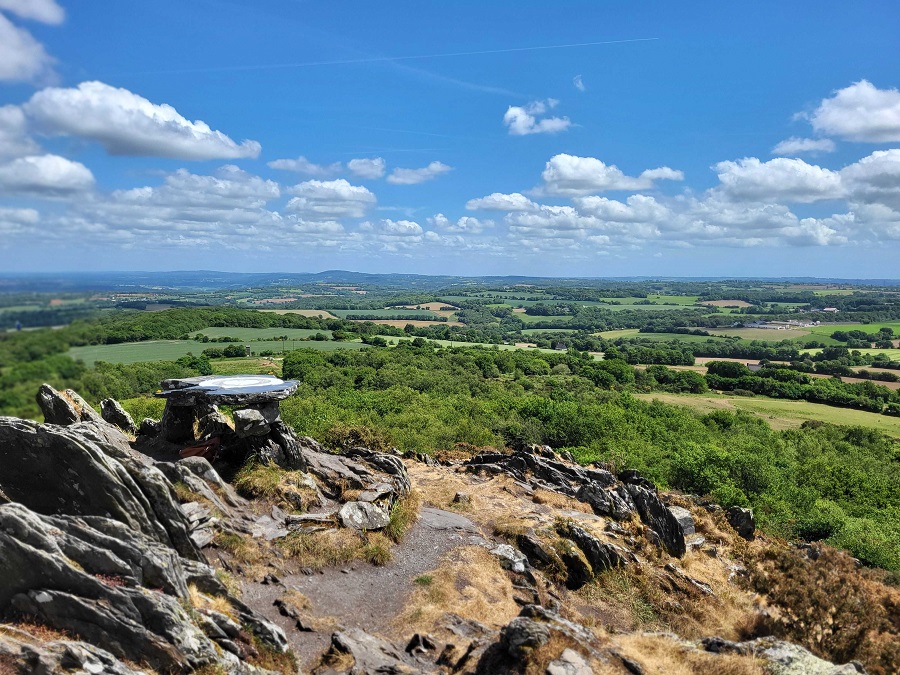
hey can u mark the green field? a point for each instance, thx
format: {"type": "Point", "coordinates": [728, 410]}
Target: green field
{"type": "Point", "coordinates": [253, 334]}
{"type": "Point", "coordinates": [892, 354]}
{"type": "Point", "coordinates": [779, 413]}
{"type": "Point", "coordinates": [528, 318]}
{"type": "Point", "coordinates": [170, 350]}
{"type": "Point", "coordinates": [764, 334]}
{"type": "Point", "coordinates": [393, 339]}
{"type": "Point", "coordinates": [537, 331]}
{"type": "Point", "coordinates": [385, 313]}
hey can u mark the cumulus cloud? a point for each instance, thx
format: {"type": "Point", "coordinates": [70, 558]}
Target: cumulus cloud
{"type": "Point", "coordinates": [393, 235]}
{"type": "Point", "coordinates": [778, 179]}
{"type": "Point", "coordinates": [523, 120]}
{"type": "Point", "coordinates": [579, 83]}
{"type": "Point", "coordinates": [636, 209]}
{"type": "Point", "coordinates": [367, 168]}
{"type": "Point", "coordinates": [15, 221]}
{"type": "Point", "coordinates": [46, 175]}
{"type": "Point", "coordinates": [22, 58]}
{"type": "Point", "coordinates": [497, 201]}
{"type": "Point", "coordinates": [414, 176]}
{"type": "Point", "coordinates": [571, 176]}
{"type": "Point", "coordinates": [465, 225]}
{"type": "Point", "coordinates": [875, 179]}
{"type": "Point", "coordinates": [860, 112]}
{"type": "Point", "coordinates": [796, 146]}
{"type": "Point", "coordinates": [303, 165]}
{"type": "Point", "coordinates": [45, 11]}
{"type": "Point", "coordinates": [325, 200]}
{"type": "Point", "coordinates": [128, 124]}
{"type": "Point", "coordinates": [14, 138]}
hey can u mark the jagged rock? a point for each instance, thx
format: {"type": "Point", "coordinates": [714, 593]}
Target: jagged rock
{"type": "Point", "coordinates": [256, 421]}
{"type": "Point", "coordinates": [363, 516]}
{"type": "Point", "coordinates": [632, 477]}
{"type": "Point", "coordinates": [53, 469]}
{"type": "Point", "coordinates": [149, 427]}
{"type": "Point", "coordinates": [113, 412]}
{"type": "Point", "coordinates": [30, 655]}
{"type": "Point", "coordinates": [783, 658]}
{"type": "Point", "coordinates": [742, 521]}
{"type": "Point", "coordinates": [569, 662]}
{"type": "Point", "coordinates": [658, 518]}
{"type": "Point", "coordinates": [600, 555]}
{"type": "Point", "coordinates": [539, 554]}
{"type": "Point", "coordinates": [372, 654]}
{"type": "Point", "coordinates": [65, 407]}
{"type": "Point", "coordinates": [523, 635]}
{"type": "Point", "coordinates": [613, 503]}
{"type": "Point", "coordinates": [510, 558]}
{"type": "Point", "coordinates": [578, 569]}
{"type": "Point", "coordinates": [684, 517]}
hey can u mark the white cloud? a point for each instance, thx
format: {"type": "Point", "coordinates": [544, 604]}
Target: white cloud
{"type": "Point", "coordinates": [414, 176]}
{"type": "Point", "coordinates": [15, 221]}
{"type": "Point", "coordinates": [796, 146]}
{"type": "Point", "coordinates": [636, 209]}
{"type": "Point", "coordinates": [523, 121]}
{"type": "Point", "coordinates": [778, 179]}
{"type": "Point", "coordinates": [393, 235]}
{"type": "Point", "coordinates": [45, 11]}
{"type": "Point", "coordinates": [303, 165]}
{"type": "Point", "coordinates": [860, 112]}
{"type": "Point", "coordinates": [330, 199]}
{"type": "Point", "coordinates": [44, 175]}
{"type": "Point", "coordinates": [571, 176]}
{"type": "Point", "coordinates": [579, 83]}
{"type": "Point", "coordinates": [22, 58]}
{"type": "Point", "coordinates": [14, 139]}
{"type": "Point", "coordinates": [128, 124]}
{"type": "Point", "coordinates": [497, 201]}
{"type": "Point", "coordinates": [875, 179]}
{"type": "Point", "coordinates": [367, 168]}
{"type": "Point", "coordinates": [465, 225]}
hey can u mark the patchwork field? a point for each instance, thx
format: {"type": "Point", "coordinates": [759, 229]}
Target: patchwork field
{"type": "Point", "coordinates": [314, 313]}
{"type": "Point", "coordinates": [254, 334]}
{"type": "Point", "coordinates": [400, 323]}
{"type": "Point", "coordinates": [726, 303]}
{"type": "Point", "coordinates": [764, 334]}
{"type": "Point", "coordinates": [169, 350]}
{"type": "Point", "coordinates": [781, 414]}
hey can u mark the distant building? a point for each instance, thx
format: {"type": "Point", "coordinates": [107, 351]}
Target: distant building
{"type": "Point", "coordinates": [829, 309]}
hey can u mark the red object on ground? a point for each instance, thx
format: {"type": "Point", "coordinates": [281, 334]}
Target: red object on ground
{"type": "Point", "coordinates": [207, 449]}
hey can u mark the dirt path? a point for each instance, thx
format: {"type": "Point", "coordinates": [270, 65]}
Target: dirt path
{"type": "Point", "coordinates": [359, 594]}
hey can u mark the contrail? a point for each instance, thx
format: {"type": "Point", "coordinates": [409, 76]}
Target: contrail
{"type": "Point", "coordinates": [381, 59]}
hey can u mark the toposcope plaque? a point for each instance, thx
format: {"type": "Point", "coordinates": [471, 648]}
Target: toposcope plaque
{"type": "Point", "coordinates": [226, 390]}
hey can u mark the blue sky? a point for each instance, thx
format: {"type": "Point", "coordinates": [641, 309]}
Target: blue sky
{"type": "Point", "coordinates": [568, 139]}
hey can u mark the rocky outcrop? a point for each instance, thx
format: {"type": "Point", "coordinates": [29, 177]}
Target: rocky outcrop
{"type": "Point", "coordinates": [619, 499]}
{"type": "Point", "coordinates": [113, 413]}
{"type": "Point", "coordinates": [781, 657]}
{"type": "Point", "coordinates": [742, 521]}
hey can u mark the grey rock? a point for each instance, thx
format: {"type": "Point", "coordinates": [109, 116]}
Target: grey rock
{"type": "Point", "coordinates": [539, 554]}
{"type": "Point", "coordinates": [600, 555]}
{"type": "Point", "coordinates": [510, 558]}
{"type": "Point", "coordinates": [578, 570]}
{"type": "Point", "coordinates": [569, 662]}
{"type": "Point", "coordinates": [177, 423]}
{"type": "Point", "coordinates": [372, 654]}
{"type": "Point", "coordinates": [783, 658]}
{"type": "Point", "coordinates": [606, 502]}
{"type": "Point", "coordinates": [149, 427]}
{"type": "Point", "coordinates": [438, 519]}
{"type": "Point", "coordinates": [31, 655]}
{"type": "Point", "coordinates": [236, 390]}
{"type": "Point", "coordinates": [256, 421]}
{"type": "Point", "coordinates": [742, 521]}
{"type": "Point", "coordinates": [684, 517]}
{"type": "Point", "coordinates": [522, 635]}
{"type": "Point", "coordinates": [113, 412]}
{"type": "Point", "coordinates": [659, 519]}
{"type": "Point", "coordinates": [363, 516]}
{"type": "Point", "coordinates": [65, 407]}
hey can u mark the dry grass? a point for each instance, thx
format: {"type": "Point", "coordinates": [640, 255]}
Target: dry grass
{"type": "Point", "coordinates": [287, 489]}
{"type": "Point", "coordinates": [39, 632]}
{"type": "Point", "coordinates": [336, 547]}
{"type": "Point", "coordinates": [200, 600]}
{"type": "Point", "coordinates": [296, 599]}
{"type": "Point", "coordinates": [269, 659]}
{"type": "Point", "coordinates": [244, 548]}
{"type": "Point", "coordinates": [404, 514]}
{"type": "Point", "coordinates": [229, 582]}
{"type": "Point", "coordinates": [469, 583]}
{"type": "Point", "coordinates": [659, 655]}
{"type": "Point", "coordinates": [558, 501]}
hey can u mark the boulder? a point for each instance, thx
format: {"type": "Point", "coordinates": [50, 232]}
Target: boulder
{"type": "Point", "coordinates": [658, 518]}
{"type": "Point", "coordinates": [65, 407]}
{"type": "Point", "coordinates": [569, 662]}
{"type": "Point", "coordinates": [600, 555]}
{"type": "Point", "coordinates": [363, 516]}
{"type": "Point", "coordinates": [742, 521]}
{"type": "Point", "coordinates": [685, 519]}
{"type": "Point", "coordinates": [113, 412]}
{"type": "Point", "coordinates": [372, 654]}
{"type": "Point", "coordinates": [256, 421]}
{"type": "Point", "coordinates": [604, 502]}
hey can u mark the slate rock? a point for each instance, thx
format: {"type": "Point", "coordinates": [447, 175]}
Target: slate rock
{"type": "Point", "coordinates": [113, 412]}
{"type": "Point", "coordinates": [742, 521]}
{"type": "Point", "coordinates": [569, 662]}
{"type": "Point", "coordinates": [606, 502]}
{"type": "Point", "coordinates": [600, 555]}
{"type": "Point", "coordinates": [257, 420]}
{"type": "Point", "coordinates": [363, 516]}
{"type": "Point", "coordinates": [510, 558]}
{"type": "Point", "coordinates": [522, 635]}
{"type": "Point", "coordinates": [372, 654]}
{"type": "Point", "coordinates": [658, 518]}
{"type": "Point", "coordinates": [685, 518]}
